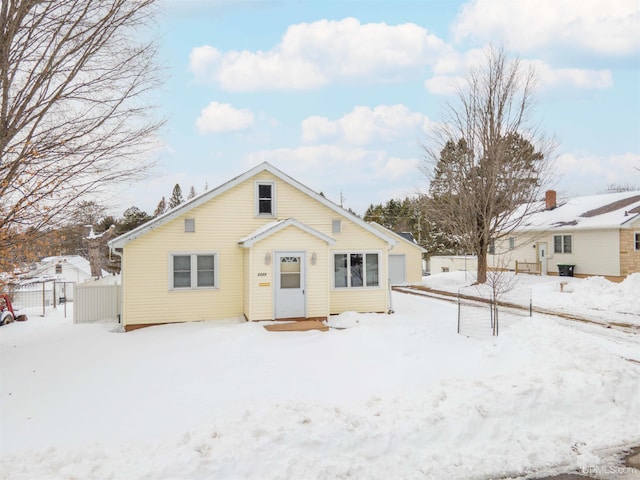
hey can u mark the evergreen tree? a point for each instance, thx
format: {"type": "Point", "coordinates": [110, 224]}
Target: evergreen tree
{"type": "Point", "coordinates": [131, 218]}
{"type": "Point", "coordinates": [408, 215]}
{"type": "Point", "coordinates": [176, 197]}
{"type": "Point", "coordinates": [192, 193]}
{"type": "Point", "coordinates": [161, 208]}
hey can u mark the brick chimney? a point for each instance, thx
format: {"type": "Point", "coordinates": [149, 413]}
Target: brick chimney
{"type": "Point", "coordinates": [550, 199]}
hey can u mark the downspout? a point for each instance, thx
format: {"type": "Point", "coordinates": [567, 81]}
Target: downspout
{"type": "Point", "coordinates": [390, 298]}
{"type": "Point", "coordinates": [119, 300]}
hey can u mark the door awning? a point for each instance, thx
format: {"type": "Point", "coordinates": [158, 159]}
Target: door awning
{"type": "Point", "coordinates": [274, 227]}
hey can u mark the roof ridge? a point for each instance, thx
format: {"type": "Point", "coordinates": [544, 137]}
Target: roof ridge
{"type": "Point", "coordinates": [611, 207]}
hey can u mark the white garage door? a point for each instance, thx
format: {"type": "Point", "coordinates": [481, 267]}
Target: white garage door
{"type": "Point", "coordinates": [396, 269]}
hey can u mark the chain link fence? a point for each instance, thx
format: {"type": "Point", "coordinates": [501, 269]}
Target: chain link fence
{"type": "Point", "coordinates": [482, 313]}
{"type": "Point", "coordinates": [38, 297]}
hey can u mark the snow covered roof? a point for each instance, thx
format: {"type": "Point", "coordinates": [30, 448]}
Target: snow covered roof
{"type": "Point", "coordinates": [592, 212]}
{"type": "Point", "coordinates": [75, 261]}
{"type": "Point", "coordinates": [274, 227]}
{"type": "Point", "coordinates": [122, 240]}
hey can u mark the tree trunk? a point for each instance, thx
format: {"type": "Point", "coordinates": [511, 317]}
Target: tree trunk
{"type": "Point", "coordinates": [482, 266]}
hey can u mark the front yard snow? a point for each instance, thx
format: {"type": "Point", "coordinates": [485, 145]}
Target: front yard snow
{"type": "Point", "coordinates": [387, 396]}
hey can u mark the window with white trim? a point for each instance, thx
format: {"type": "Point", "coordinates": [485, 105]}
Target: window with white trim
{"type": "Point", "coordinates": [562, 244]}
{"type": "Point", "coordinates": [512, 243]}
{"type": "Point", "coordinates": [265, 199]}
{"type": "Point", "coordinates": [193, 271]}
{"type": "Point", "coordinates": [636, 241]}
{"type": "Point", "coordinates": [356, 269]}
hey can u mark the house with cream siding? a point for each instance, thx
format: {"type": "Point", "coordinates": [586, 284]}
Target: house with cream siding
{"type": "Point", "coordinates": [596, 235]}
{"type": "Point", "coordinates": [261, 246]}
{"type": "Point", "coordinates": [405, 259]}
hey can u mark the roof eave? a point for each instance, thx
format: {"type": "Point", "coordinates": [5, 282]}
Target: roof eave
{"type": "Point", "coordinates": [251, 241]}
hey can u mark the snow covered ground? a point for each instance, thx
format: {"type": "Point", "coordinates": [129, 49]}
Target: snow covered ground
{"type": "Point", "coordinates": [593, 298]}
{"type": "Point", "coordinates": [397, 396]}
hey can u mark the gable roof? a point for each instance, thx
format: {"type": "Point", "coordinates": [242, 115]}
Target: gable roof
{"type": "Point", "coordinates": [166, 217]}
{"type": "Point", "coordinates": [74, 261]}
{"type": "Point", "coordinates": [399, 236]}
{"type": "Point", "coordinates": [274, 227]}
{"type": "Point", "coordinates": [592, 212]}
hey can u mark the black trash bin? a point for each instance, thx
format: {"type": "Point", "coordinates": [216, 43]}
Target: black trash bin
{"type": "Point", "coordinates": [566, 270]}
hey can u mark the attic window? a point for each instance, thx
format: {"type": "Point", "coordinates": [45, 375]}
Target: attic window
{"type": "Point", "coordinates": [189, 225]}
{"type": "Point", "coordinates": [265, 199]}
{"type": "Point", "coordinates": [336, 226]}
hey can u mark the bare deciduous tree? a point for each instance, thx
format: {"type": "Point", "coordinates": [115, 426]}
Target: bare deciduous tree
{"type": "Point", "coordinates": [487, 159]}
{"type": "Point", "coordinates": [74, 116]}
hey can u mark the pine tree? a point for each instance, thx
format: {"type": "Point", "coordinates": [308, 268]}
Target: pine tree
{"type": "Point", "coordinates": [192, 193]}
{"type": "Point", "coordinates": [161, 208]}
{"type": "Point", "coordinates": [176, 197]}
{"type": "Point", "coordinates": [131, 218]}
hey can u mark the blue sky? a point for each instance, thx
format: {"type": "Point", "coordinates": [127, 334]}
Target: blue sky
{"type": "Point", "coordinates": [341, 95]}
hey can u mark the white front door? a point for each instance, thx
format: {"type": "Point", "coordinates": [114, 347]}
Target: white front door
{"type": "Point", "coordinates": [542, 257]}
{"type": "Point", "coordinates": [290, 285]}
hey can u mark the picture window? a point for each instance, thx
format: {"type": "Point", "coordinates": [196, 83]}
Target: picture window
{"type": "Point", "coordinates": [358, 269]}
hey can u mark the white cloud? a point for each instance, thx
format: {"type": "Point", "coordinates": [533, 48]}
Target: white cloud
{"type": "Point", "coordinates": [601, 26]}
{"type": "Point", "coordinates": [578, 78]}
{"type": "Point", "coordinates": [585, 173]}
{"type": "Point", "coordinates": [443, 84]}
{"type": "Point", "coordinates": [222, 117]}
{"type": "Point", "coordinates": [318, 128]}
{"type": "Point", "coordinates": [313, 54]}
{"type": "Point", "coordinates": [580, 165]}
{"type": "Point", "coordinates": [353, 171]}
{"type": "Point", "coordinates": [364, 126]}
{"type": "Point", "coordinates": [548, 76]}
{"type": "Point", "coordinates": [395, 168]}
{"type": "Point", "coordinates": [201, 60]}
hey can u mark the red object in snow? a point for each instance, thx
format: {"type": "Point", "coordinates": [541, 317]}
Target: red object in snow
{"type": "Point", "coordinates": [7, 313]}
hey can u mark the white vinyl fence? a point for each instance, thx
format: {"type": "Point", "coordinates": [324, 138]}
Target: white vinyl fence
{"type": "Point", "coordinates": [96, 303]}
